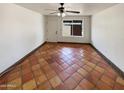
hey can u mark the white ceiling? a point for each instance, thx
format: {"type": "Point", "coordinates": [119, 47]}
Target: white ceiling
{"type": "Point", "coordinates": [84, 8]}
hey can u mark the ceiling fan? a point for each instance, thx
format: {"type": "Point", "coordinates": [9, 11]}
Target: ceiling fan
{"type": "Point", "coordinates": [62, 12]}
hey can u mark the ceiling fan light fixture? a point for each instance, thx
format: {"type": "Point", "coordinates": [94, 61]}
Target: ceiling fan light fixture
{"type": "Point", "coordinates": [59, 14]}
{"type": "Point", "coordinates": [63, 14]}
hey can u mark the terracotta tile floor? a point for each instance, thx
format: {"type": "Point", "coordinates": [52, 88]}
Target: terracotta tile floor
{"type": "Point", "coordinates": [62, 66]}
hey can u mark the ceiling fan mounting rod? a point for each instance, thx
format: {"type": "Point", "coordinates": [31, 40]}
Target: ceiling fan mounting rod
{"type": "Point", "coordinates": [61, 4]}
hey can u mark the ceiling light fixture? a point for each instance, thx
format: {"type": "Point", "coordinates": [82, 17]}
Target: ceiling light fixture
{"type": "Point", "coordinates": [61, 14]}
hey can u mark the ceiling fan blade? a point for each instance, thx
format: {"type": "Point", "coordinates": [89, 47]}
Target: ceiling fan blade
{"type": "Point", "coordinates": [50, 10]}
{"type": "Point", "coordinates": [73, 11]}
{"type": "Point", "coordinates": [53, 13]}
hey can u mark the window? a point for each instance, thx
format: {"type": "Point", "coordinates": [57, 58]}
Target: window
{"type": "Point", "coordinates": [73, 28]}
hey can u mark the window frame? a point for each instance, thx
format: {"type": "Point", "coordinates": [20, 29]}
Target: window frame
{"type": "Point", "coordinates": [82, 20]}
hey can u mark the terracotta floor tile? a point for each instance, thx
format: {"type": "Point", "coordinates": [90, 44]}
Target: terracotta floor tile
{"type": "Point", "coordinates": [14, 84]}
{"type": "Point", "coordinates": [3, 79]}
{"type": "Point", "coordinates": [70, 70]}
{"type": "Point", "coordinates": [75, 66]}
{"type": "Point", "coordinates": [55, 81]}
{"type": "Point", "coordinates": [43, 62]}
{"type": "Point", "coordinates": [54, 64]}
{"type": "Point", "coordinates": [85, 84]}
{"type": "Point", "coordinates": [47, 68]}
{"type": "Point", "coordinates": [15, 69]}
{"type": "Point", "coordinates": [78, 88]}
{"type": "Point", "coordinates": [34, 62]}
{"type": "Point", "coordinates": [87, 68]}
{"type": "Point", "coordinates": [95, 60]}
{"type": "Point", "coordinates": [45, 86]}
{"type": "Point", "coordinates": [77, 77]}
{"type": "Point", "coordinates": [80, 63]}
{"type": "Point", "coordinates": [37, 53]}
{"type": "Point", "coordinates": [92, 76]}
{"type": "Point", "coordinates": [27, 77]}
{"type": "Point", "coordinates": [16, 88]}
{"type": "Point", "coordinates": [108, 80]}
{"type": "Point", "coordinates": [25, 65]}
{"type": "Point", "coordinates": [120, 80]}
{"type": "Point", "coordinates": [40, 79]}
{"type": "Point", "coordinates": [35, 67]}
{"type": "Point", "coordinates": [70, 84]}
{"type": "Point", "coordinates": [103, 65]}
{"type": "Point", "coordinates": [38, 72]}
{"type": "Point", "coordinates": [85, 61]}
{"type": "Point", "coordinates": [102, 85]}
{"type": "Point", "coordinates": [110, 75]}
{"type": "Point", "coordinates": [60, 61]}
{"type": "Point", "coordinates": [112, 71]}
{"type": "Point", "coordinates": [3, 83]}
{"type": "Point", "coordinates": [32, 57]}
{"type": "Point", "coordinates": [83, 72]}
{"type": "Point", "coordinates": [13, 76]}
{"type": "Point", "coordinates": [29, 85]}
{"type": "Point", "coordinates": [57, 71]}
{"type": "Point", "coordinates": [91, 64]}
{"type": "Point", "coordinates": [99, 69]}
{"type": "Point", "coordinates": [50, 74]}
{"type": "Point", "coordinates": [50, 61]}
{"type": "Point", "coordinates": [57, 68]}
{"type": "Point", "coordinates": [26, 70]}
{"type": "Point", "coordinates": [96, 88]}
{"type": "Point", "coordinates": [63, 56]}
{"type": "Point", "coordinates": [61, 87]}
{"type": "Point", "coordinates": [64, 65]}
{"type": "Point", "coordinates": [64, 75]}
{"type": "Point", "coordinates": [3, 87]}
{"type": "Point", "coordinates": [68, 61]}
{"type": "Point", "coordinates": [118, 87]}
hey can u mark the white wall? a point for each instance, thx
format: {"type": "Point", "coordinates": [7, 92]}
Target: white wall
{"type": "Point", "coordinates": [21, 31]}
{"type": "Point", "coordinates": [108, 34]}
{"type": "Point", "coordinates": [55, 24]}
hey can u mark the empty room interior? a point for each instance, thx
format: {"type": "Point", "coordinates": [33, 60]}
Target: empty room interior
{"type": "Point", "coordinates": [61, 46]}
